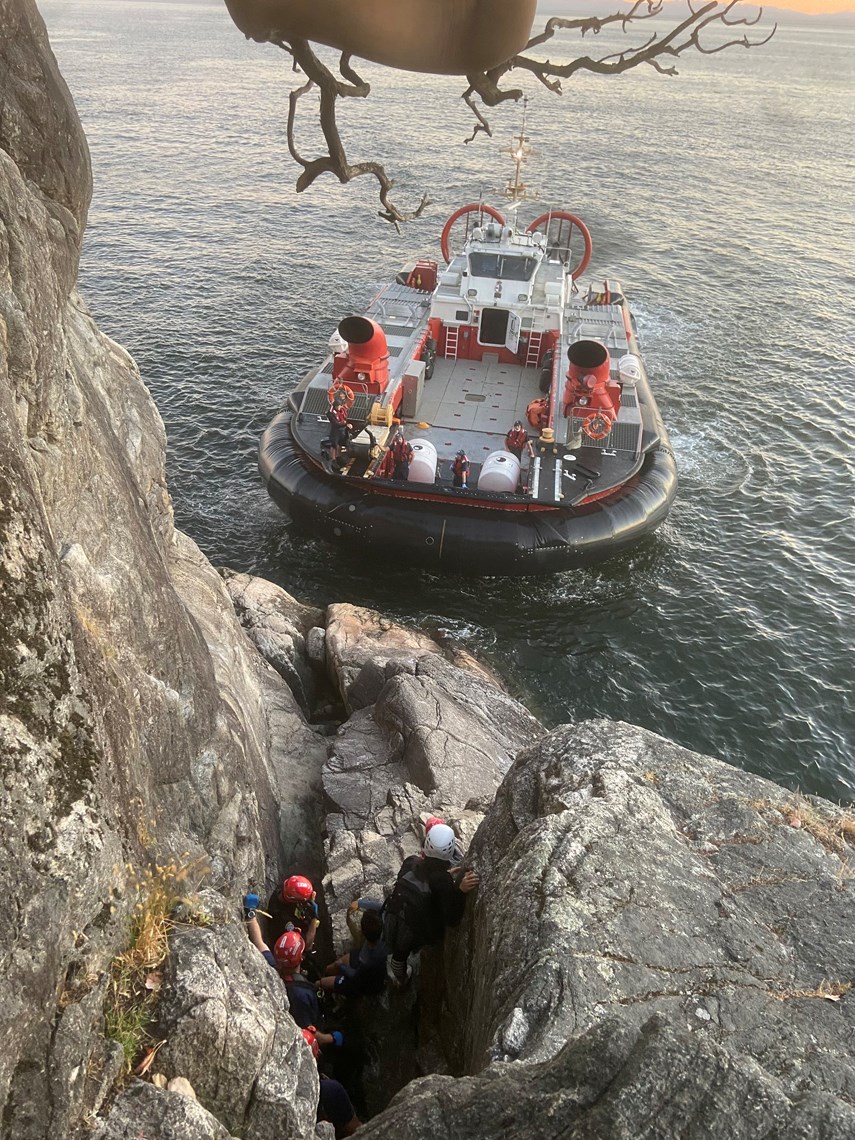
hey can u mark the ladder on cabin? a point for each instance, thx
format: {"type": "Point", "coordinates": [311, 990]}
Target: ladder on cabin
{"type": "Point", "coordinates": [451, 334]}
{"type": "Point", "coordinates": [535, 340]}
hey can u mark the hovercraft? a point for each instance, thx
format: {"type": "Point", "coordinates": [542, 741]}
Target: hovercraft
{"type": "Point", "coordinates": [488, 416]}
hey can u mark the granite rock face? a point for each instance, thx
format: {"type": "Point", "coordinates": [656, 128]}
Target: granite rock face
{"type": "Point", "coordinates": [618, 1081]}
{"type": "Point", "coordinates": [136, 719]}
{"type": "Point", "coordinates": [622, 873]}
{"type": "Point", "coordinates": [39, 128]}
{"type": "Point", "coordinates": [278, 626]}
{"type": "Point", "coordinates": [224, 1016]}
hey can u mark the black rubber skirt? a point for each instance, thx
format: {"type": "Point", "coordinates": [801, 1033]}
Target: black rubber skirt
{"type": "Point", "coordinates": [458, 538]}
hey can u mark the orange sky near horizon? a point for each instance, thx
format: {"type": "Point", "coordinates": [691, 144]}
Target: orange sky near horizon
{"type": "Point", "coordinates": [815, 7]}
{"type": "Point", "coordinates": [810, 7]}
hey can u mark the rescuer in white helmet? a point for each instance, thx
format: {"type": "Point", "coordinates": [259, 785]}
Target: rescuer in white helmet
{"type": "Point", "coordinates": [426, 897]}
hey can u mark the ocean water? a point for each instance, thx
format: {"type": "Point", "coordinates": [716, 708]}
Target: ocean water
{"type": "Point", "coordinates": [722, 199]}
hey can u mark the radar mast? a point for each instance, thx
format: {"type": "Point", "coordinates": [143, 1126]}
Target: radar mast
{"type": "Point", "coordinates": [516, 190]}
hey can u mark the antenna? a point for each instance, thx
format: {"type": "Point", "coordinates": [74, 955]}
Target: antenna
{"type": "Point", "coordinates": [516, 190]}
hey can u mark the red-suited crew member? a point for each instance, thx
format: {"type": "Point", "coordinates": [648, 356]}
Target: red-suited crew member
{"type": "Point", "coordinates": [516, 439]}
{"type": "Point", "coordinates": [402, 454]}
{"type": "Point", "coordinates": [286, 958]}
{"type": "Point", "coordinates": [340, 428]}
{"type": "Point", "coordinates": [460, 470]}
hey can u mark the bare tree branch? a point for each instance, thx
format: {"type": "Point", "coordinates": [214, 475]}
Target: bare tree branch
{"type": "Point", "coordinates": [682, 37]}
{"type": "Point", "coordinates": [659, 51]}
{"type": "Point", "coordinates": [335, 161]}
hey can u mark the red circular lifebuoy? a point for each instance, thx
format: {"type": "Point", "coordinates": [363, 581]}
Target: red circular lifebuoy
{"type": "Point", "coordinates": [596, 426]}
{"type": "Point", "coordinates": [340, 394]}
{"type": "Point", "coordinates": [563, 215]}
{"type": "Point", "coordinates": [472, 208]}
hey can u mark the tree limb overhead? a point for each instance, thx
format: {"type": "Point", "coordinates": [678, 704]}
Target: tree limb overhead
{"type": "Point", "coordinates": [462, 37]}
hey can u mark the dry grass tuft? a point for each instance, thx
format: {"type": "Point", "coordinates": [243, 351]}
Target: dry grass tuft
{"type": "Point", "coordinates": [832, 991]}
{"type": "Point", "coordinates": [135, 974]}
{"type": "Point", "coordinates": [835, 833]}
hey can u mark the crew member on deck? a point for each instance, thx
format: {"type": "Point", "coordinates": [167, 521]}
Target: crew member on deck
{"type": "Point", "coordinates": [516, 439]}
{"type": "Point", "coordinates": [460, 469]}
{"type": "Point", "coordinates": [402, 454]}
{"type": "Point", "coordinates": [340, 429]}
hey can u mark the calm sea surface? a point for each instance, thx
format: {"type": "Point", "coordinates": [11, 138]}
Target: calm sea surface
{"type": "Point", "coordinates": [723, 200]}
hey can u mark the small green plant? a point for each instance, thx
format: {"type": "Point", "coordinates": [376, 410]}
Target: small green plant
{"type": "Point", "coordinates": [136, 973]}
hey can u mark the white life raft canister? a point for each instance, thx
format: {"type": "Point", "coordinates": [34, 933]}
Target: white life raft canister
{"type": "Point", "coordinates": [423, 463]}
{"type": "Point", "coordinates": [500, 472]}
{"type": "Point", "coordinates": [629, 370]}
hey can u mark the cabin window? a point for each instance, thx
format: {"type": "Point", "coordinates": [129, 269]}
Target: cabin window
{"type": "Point", "coordinates": [501, 266]}
{"type": "Point", "coordinates": [494, 326]}
{"type": "Point", "coordinates": [462, 315]}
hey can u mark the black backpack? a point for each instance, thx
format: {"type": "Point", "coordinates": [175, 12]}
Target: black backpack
{"type": "Point", "coordinates": [407, 912]}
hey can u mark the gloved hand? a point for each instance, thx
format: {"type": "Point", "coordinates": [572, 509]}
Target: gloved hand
{"type": "Point", "coordinates": [251, 903]}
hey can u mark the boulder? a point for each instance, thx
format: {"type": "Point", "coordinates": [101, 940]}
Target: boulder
{"type": "Point", "coordinates": [448, 733]}
{"type": "Point", "coordinates": [618, 1081]}
{"type": "Point", "coordinates": [455, 732]}
{"type": "Point", "coordinates": [364, 648]}
{"type": "Point", "coordinates": [224, 1015]}
{"type": "Point", "coordinates": [143, 1112]}
{"type": "Point", "coordinates": [621, 872]}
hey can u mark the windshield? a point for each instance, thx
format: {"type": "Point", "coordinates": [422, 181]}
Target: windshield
{"type": "Point", "coordinates": [502, 266]}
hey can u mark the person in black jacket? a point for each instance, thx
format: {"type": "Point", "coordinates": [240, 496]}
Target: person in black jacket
{"type": "Point", "coordinates": [362, 971]}
{"type": "Point", "coordinates": [428, 896]}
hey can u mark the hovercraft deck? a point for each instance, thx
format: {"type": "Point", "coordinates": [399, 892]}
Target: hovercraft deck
{"type": "Point", "coordinates": [408, 437]}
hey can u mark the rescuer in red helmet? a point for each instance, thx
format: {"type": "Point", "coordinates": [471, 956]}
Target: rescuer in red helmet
{"type": "Point", "coordinates": [286, 958]}
{"type": "Point", "coordinates": [293, 907]}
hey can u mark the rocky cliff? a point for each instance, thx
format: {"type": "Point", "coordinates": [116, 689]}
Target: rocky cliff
{"type": "Point", "coordinates": [662, 945]}
{"type": "Point", "coordinates": [136, 720]}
